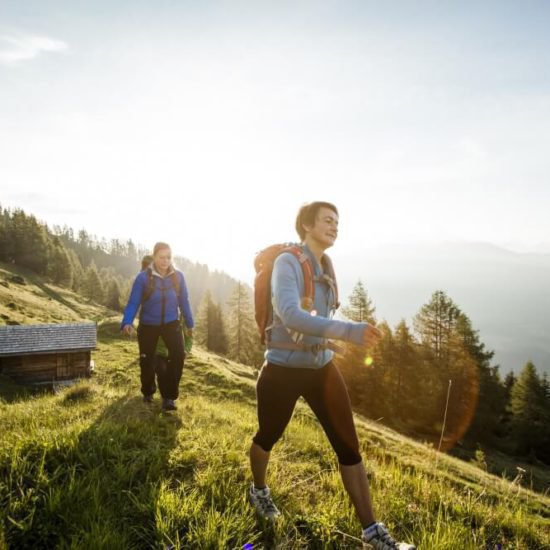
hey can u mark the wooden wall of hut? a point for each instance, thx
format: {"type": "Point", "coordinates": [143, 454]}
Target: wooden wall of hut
{"type": "Point", "coordinates": [46, 367]}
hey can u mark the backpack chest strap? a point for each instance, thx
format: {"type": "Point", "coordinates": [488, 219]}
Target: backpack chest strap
{"type": "Point", "coordinates": [313, 348]}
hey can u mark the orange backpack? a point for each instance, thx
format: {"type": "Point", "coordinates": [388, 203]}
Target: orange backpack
{"type": "Point", "coordinates": [263, 264]}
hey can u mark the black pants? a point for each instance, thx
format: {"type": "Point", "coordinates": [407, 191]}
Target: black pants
{"type": "Point", "coordinates": [324, 390]}
{"type": "Point", "coordinates": [168, 371]}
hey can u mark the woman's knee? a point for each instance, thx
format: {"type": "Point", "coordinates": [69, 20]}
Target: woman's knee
{"type": "Point", "coordinates": [349, 457]}
{"type": "Point", "coordinates": [146, 360]}
{"type": "Point", "coordinates": [264, 441]}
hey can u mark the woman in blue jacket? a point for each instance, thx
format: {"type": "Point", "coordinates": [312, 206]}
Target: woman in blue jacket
{"type": "Point", "coordinates": [161, 292]}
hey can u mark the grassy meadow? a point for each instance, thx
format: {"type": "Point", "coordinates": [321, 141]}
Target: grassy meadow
{"type": "Point", "coordinates": [91, 466]}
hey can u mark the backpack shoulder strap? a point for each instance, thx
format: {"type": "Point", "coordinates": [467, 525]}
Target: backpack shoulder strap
{"type": "Point", "coordinates": [308, 298]}
{"type": "Point", "coordinates": [150, 288]}
{"type": "Point", "coordinates": [328, 269]}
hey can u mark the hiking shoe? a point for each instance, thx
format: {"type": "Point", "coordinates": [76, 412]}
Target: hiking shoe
{"type": "Point", "coordinates": [169, 405]}
{"type": "Point", "coordinates": [148, 398]}
{"type": "Point", "coordinates": [377, 537]}
{"type": "Point", "coordinates": [262, 502]}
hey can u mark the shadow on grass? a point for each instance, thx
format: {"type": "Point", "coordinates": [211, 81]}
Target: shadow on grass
{"type": "Point", "coordinates": [12, 392]}
{"type": "Point", "coordinates": [37, 281]}
{"type": "Point", "coordinates": [98, 491]}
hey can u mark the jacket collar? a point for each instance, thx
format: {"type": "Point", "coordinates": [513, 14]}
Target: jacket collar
{"type": "Point", "coordinates": [157, 274]}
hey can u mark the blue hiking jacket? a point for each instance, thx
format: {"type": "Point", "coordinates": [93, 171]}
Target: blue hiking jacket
{"type": "Point", "coordinates": [291, 322]}
{"type": "Point", "coordinates": [162, 305]}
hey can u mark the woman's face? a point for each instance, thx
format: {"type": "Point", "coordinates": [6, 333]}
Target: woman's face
{"type": "Point", "coordinates": [163, 259]}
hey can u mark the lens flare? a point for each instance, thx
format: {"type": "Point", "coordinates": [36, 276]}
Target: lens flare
{"type": "Point", "coordinates": [369, 361]}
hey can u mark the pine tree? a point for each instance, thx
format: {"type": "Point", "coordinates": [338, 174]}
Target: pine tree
{"type": "Point", "coordinates": [435, 324]}
{"type": "Point", "coordinates": [355, 364]}
{"type": "Point", "coordinates": [484, 384]}
{"type": "Point", "coordinates": [112, 295]}
{"type": "Point", "coordinates": [528, 410]}
{"type": "Point", "coordinates": [453, 352]}
{"type": "Point", "coordinates": [509, 381]}
{"type": "Point", "coordinates": [60, 269]}
{"type": "Point", "coordinates": [210, 330]}
{"type": "Point", "coordinates": [243, 341]}
{"type": "Point", "coordinates": [6, 236]}
{"type": "Point", "coordinates": [360, 308]}
{"type": "Point", "coordinates": [30, 242]}
{"type": "Point", "coordinates": [93, 288]}
{"type": "Point", "coordinates": [409, 377]}
{"type": "Point", "coordinates": [77, 271]}
{"type": "Point", "coordinates": [544, 442]}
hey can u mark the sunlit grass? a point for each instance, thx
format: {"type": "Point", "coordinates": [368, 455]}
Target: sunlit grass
{"type": "Point", "coordinates": [93, 467]}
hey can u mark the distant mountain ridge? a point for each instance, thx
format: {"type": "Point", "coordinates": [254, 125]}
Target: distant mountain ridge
{"type": "Point", "coordinates": [506, 294]}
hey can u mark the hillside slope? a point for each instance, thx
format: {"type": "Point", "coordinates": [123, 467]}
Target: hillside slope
{"type": "Point", "coordinates": [93, 467]}
{"type": "Point", "coordinates": [25, 298]}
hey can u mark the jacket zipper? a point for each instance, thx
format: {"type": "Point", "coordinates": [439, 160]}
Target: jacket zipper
{"type": "Point", "coordinates": [163, 306]}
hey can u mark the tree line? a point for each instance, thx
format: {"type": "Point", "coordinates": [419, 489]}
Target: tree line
{"type": "Point", "coordinates": [102, 271]}
{"type": "Point", "coordinates": [434, 380]}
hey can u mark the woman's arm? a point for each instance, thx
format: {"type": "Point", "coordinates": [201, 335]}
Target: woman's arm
{"type": "Point", "coordinates": [134, 301]}
{"type": "Point", "coordinates": [286, 285]}
{"type": "Point", "coordinates": [185, 307]}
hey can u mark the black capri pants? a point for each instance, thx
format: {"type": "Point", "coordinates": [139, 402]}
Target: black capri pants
{"type": "Point", "coordinates": [168, 373]}
{"type": "Point", "coordinates": [324, 390]}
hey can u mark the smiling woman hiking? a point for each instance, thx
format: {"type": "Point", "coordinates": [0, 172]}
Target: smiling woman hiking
{"type": "Point", "coordinates": [299, 285]}
{"type": "Point", "coordinates": [161, 292]}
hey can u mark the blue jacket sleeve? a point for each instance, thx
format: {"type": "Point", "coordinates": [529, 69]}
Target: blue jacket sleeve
{"type": "Point", "coordinates": [134, 302]}
{"type": "Point", "coordinates": [185, 307]}
{"type": "Point", "coordinates": [286, 284]}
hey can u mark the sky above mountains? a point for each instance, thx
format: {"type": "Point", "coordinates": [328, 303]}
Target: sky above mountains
{"type": "Point", "coordinates": [207, 124]}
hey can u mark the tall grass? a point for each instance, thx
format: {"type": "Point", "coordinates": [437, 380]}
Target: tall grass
{"type": "Point", "coordinates": [93, 467]}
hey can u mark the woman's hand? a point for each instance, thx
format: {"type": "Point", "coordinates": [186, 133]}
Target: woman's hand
{"type": "Point", "coordinates": [128, 330]}
{"type": "Point", "coordinates": [371, 336]}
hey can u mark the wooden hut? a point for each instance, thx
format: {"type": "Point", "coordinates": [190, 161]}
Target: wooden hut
{"type": "Point", "coordinates": [47, 353]}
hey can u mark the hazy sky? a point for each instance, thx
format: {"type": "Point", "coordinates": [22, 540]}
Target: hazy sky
{"type": "Point", "coordinates": [207, 124]}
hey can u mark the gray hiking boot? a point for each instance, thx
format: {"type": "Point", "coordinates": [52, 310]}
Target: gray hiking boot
{"type": "Point", "coordinates": [263, 503]}
{"type": "Point", "coordinates": [376, 537]}
{"type": "Point", "coordinates": [169, 405]}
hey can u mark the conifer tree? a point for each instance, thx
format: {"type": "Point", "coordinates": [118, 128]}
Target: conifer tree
{"type": "Point", "coordinates": [408, 375]}
{"type": "Point", "coordinates": [112, 294]}
{"type": "Point", "coordinates": [435, 324]}
{"type": "Point", "coordinates": [527, 402]}
{"type": "Point", "coordinates": [509, 381]}
{"type": "Point", "coordinates": [30, 242]}
{"type": "Point", "coordinates": [360, 307]}
{"type": "Point", "coordinates": [362, 376]}
{"type": "Point", "coordinates": [93, 288]}
{"type": "Point", "coordinates": [210, 326]}
{"type": "Point", "coordinates": [77, 271]}
{"type": "Point", "coordinates": [243, 341]}
{"type": "Point", "coordinates": [489, 392]}
{"type": "Point", "coordinates": [60, 269]}
{"type": "Point", "coordinates": [6, 237]}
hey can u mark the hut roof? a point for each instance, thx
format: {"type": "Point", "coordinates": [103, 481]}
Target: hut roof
{"type": "Point", "coordinates": [34, 339]}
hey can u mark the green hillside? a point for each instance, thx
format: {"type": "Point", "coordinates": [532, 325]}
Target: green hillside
{"type": "Point", "coordinates": [93, 467]}
{"type": "Point", "coordinates": [26, 299]}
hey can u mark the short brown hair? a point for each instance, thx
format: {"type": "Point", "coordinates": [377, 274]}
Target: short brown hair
{"type": "Point", "coordinates": [160, 246]}
{"type": "Point", "coordinates": [308, 213]}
